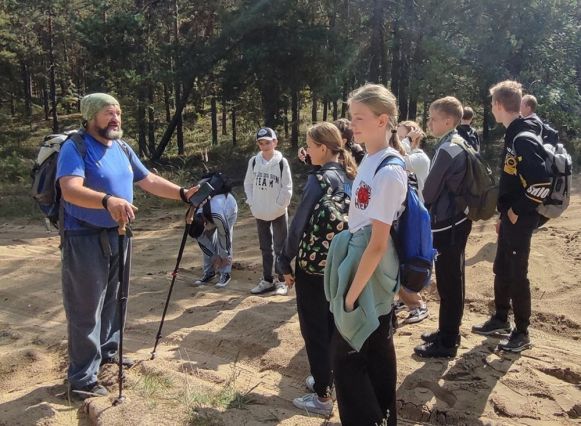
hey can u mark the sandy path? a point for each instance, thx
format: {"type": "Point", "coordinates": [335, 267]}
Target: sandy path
{"type": "Point", "coordinates": [212, 336]}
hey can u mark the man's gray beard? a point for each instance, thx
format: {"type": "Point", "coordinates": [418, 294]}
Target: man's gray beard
{"type": "Point", "coordinates": [110, 134]}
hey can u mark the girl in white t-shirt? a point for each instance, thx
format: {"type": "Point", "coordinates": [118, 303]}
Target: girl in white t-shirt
{"type": "Point", "coordinates": [418, 163]}
{"type": "Point", "coordinates": [365, 378]}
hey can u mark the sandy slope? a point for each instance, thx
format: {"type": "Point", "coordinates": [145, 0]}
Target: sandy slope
{"type": "Point", "coordinates": [215, 340]}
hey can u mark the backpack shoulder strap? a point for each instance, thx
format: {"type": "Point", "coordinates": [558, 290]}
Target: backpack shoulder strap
{"type": "Point", "coordinates": [124, 147]}
{"type": "Point", "coordinates": [390, 160]}
{"type": "Point", "coordinates": [281, 166]}
{"type": "Point", "coordinates": [530, 135]}
{"type": "Point", "coordinates": [253, 163]}
{"type": "Point", "coordinates": [77, 138]}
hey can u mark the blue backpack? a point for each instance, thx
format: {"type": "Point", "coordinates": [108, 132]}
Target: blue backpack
{"type": "Point", "coordinates": [412, 236]}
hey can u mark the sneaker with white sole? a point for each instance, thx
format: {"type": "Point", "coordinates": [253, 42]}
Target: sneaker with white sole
{"type": "Point", "coordinates": [399, 306]}
{"type": "Point", "coordinates": [208, 276]}
{"type": "Point", "coordinates": [312, 404]}
{"type": "Point", "coordinates": [224, 280]}
{"type": "Point", "coordinates": [417, 314]}
{"type": "Point", "coordinates": [262, 287]}
{"type": "Point", "coordinates": [90, 391]}
{"type": "Point", "coordinates": [516, 342]}
{"type": "Point", "coordinates": [310, 383]}
{"type": "Point", "coordinates": [281, 289]}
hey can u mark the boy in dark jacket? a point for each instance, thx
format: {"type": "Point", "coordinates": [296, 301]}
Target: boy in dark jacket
{"type": "Point", "coordinates": [524, 183]}
{"type": "Point", "coordinates": [466, 130]}
{"type": "Point", "coordinates": [450, 226]}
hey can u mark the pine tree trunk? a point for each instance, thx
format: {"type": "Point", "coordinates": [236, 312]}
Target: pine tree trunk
{"type": "Point", "coordinates": [177, 83]}
{"type": "Point", "coordinates": [233, 120]}
{"type": "Point", "coordinates": [335, 110]}
{"type": "Point", "coordinates": [214, 116]}
{"type": "Point", "coordinates": [486, 121]}
{"type": "Point", "coordinates": [224, 117]}
{"type": "Point", "coordinates": [395, 59]}
{"type": "Point", "coordinates": [413, 106]}
{"type": "Point", "coordinates": [285, 120]}
{"type": "Point", "coordinates": [25, 75]}
{"type": "Point", "coordinates": [151, 117]}
{"type": "Point", "coordinates": [13, 105]}
{"type": "Point", "coordinates": [325, 106]}
{"type": "Point", "coordinates": [314, 110]}
{"type": "Point", "coordinates": [52, 75]}
{"type": "Point", "coordinates": [45, 100]}
{"type": "Point", "coordinates": [295, 119]}
{"type": "Point", "coordinates": [344, 103]}
{"type": "Point", "coordinates": [167, 102]}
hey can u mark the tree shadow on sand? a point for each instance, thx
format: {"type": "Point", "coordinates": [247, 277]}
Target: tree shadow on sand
{"type": "Point", "coordinates": [41, 404]}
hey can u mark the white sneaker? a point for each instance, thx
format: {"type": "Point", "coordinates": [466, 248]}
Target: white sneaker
{"type": "Point", "coordinates": [312, 404]}
{"type": "Point", "coordinates": [262, 287]}
{"type": "Point", "coordinates": [281, 289]}
{"type": "Point", "coordinates": [417, 314]}
{"type": "Point", "coordinates": [310, 383]}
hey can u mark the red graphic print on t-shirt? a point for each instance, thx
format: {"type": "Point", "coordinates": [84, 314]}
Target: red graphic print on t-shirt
{"type": "Point", "coordinates": [362, 196]}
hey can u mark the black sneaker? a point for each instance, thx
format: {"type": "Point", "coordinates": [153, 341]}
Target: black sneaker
{"type": "Point", "coordinates": [491, 327]}
{"type": "Point", "coordinates": [435, 349]}
{"type": "Point", "coordinates": [224, 280]}
{"type": "Point", "coordinates": [127, 362]}
{"type": "Point", "coordinates": [205, 279]}
{"type": "Point", "coordinates": [430, 336]}
{"type": "Point", "coordinates": [516, 342]}
{"type": "Point", "coordinates": [90, 391]}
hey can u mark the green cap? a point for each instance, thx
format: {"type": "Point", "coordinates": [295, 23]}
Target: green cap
{"type": "Point", "coordinates": [93, 103]}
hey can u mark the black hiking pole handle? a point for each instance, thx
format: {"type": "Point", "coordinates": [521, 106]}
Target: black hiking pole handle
{"type": "Point", "coordinates": [121, 300]}
{"type": "Point", "coordinates": [189, 219]}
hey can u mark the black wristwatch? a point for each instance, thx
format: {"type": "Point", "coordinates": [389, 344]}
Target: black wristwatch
{"type": "Point", "coordinates": [183, 195]}
{"type": "Point", "coordinates": [105, 199]}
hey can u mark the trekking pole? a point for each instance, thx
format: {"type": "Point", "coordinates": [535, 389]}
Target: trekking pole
{"type": "Point", "coordinates": [189, 219]}
{"type": "Point", "coordinates": [122, 302]}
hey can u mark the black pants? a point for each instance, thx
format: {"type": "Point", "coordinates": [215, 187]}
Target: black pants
{"type": "Point", "coordinates": [450, 277]}
{"type": "Point", "coordinates": [511, 267]}
{"type": "Point", "coordinates": [316, 321]}
{"type": "Point", "coordinates": [365, 381]}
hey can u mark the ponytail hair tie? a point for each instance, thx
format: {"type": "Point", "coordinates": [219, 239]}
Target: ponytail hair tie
{"type": "Point", "coordinates": [393, 130]}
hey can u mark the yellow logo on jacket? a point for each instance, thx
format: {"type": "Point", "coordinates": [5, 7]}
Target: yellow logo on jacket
{"type": "Point", "coordinates": [510, 164]}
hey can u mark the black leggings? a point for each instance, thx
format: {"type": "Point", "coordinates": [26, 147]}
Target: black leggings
{"type": "Point", "coordinates": [365, 381]}
{"type": "Point", "coordinates": [316, 323]}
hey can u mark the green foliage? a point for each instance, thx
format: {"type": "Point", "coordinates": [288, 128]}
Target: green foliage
{"type": "Point", "coordinates": [15, 169]}
{"type": "Point", "coordinates": [263, 59]}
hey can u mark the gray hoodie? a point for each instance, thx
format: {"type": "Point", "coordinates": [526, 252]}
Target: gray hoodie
{"type": "Point", "coordinates": [268, 189]}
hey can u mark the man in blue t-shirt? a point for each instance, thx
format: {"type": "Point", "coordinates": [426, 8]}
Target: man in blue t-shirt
{"type": "Point", "coordinates": [97, 189]}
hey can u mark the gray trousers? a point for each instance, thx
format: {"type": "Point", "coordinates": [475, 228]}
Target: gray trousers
{"type": "Point", "coordinates": [216, 243]}
{"type": "Point", "coordinates": [90, 279]}
{"type": "Point", "coordinates": [269, 232]}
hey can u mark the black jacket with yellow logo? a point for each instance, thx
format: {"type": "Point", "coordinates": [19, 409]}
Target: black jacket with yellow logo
{"type": "Point", "coordinates": [524, 180]}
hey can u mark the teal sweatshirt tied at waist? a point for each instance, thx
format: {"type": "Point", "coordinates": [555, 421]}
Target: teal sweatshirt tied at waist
{"type": "Point", "coordinates": [375, 300]}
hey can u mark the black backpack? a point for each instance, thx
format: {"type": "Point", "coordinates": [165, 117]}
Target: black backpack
{"type": "Point", "coordinates": [470, 136]}
{"type": "Point", "coordinates": [221, 185]}
{"type": "Point", "coordinates": [550, 136]}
